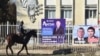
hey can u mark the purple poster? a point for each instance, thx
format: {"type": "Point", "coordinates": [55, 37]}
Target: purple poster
{"type": "Point", "coordinates": [53, 30]}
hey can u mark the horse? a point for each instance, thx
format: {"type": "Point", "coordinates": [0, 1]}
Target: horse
{"type": "Point", "coordinates": [15, 38]}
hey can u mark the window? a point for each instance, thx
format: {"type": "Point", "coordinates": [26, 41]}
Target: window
{"type": "Point", "coordinates": [50, 14]}
{"type": "Point", "coordinates": [50, 9]}
{"type": "Point", "coordinates": [90, 13]}
{"type": "Point", "coordinates": [66, 9]}
{"type": "Point", "coordinates": [94, 14]}
{"type": "Point", "coordinates": [66, 14]}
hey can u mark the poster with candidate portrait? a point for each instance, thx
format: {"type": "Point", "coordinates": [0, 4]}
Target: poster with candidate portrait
{"type": "Point", "coordinates": [85, 34]}
{"type": "Point", "coordinates": [53, 30]}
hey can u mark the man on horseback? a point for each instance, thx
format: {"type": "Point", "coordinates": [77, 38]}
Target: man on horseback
{"type": "Point", "coordinates": [21, 29]}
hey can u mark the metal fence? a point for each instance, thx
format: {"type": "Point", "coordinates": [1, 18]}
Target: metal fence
{"type": "Point", "coordinates": [36, 42]}
{"type": "Point", "coordinates": [6, 29]}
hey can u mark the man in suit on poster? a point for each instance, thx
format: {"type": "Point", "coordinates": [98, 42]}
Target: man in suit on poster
{"type": "Point", "coordinates": [80, 36]}
{"type": "Point", "coordinates": [58, 30]}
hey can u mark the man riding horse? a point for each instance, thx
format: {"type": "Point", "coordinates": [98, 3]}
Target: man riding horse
{"type": "Point", "coordinates": [22, 38]}
{"type": "Point", "coordinates": [21, 29]}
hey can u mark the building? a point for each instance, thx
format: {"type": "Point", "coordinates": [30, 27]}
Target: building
{"type": "Point", "coordinates": [76, 12]}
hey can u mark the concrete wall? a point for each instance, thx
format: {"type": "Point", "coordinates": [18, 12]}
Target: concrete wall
{"type": "Point", "coordinates": [79, 12]}
{"type": "Point", "coordinates": [23, 16]}
{"type": "Point", "coordinates": [58, 6]}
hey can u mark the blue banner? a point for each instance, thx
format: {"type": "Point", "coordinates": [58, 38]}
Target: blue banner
{"type": "Point", "coordinates": [53, 30]}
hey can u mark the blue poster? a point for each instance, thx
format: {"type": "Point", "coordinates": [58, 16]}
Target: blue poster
{"type": "Point", "coordinates": [53, 27]}
{"type": "Point", "coordinates": [53, 30]}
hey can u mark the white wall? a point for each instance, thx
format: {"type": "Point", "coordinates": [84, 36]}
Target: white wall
{"type": "Point", "coordinates": [67, 2]}
{"type": "Point", "coordinates": [92, 21]}
{"type": "Point", "coordinates": [50, 2]}
{"type": "Point", "coordinates": [89, 2]}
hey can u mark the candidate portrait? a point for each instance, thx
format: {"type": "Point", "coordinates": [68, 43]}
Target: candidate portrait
{"type": "Point", "coordinates": [80, 36]}
{"type": "Point", "coordinates": [58, 29]}
{"type": "Point", "coordinates": [91, 35]}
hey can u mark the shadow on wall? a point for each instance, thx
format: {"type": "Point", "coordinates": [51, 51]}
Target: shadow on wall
{"type": "Point", "coordinates": [62, 51]}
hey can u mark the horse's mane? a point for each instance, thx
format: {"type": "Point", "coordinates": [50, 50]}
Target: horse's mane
{"type": "Point", "coordinates": [32, 32]}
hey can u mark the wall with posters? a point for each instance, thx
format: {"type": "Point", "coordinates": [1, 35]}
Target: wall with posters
{"type": "Point", "coordinates": [86, 34]}
{"type": "Point", "coordinates": [53, 30]}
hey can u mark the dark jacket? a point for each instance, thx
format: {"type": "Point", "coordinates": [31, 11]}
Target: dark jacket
{"type": "Point", "coordinates": [76, 39]}
{"type": "Point", "coordinates": [59, 31]}
{"type": "Point", "coordinates": [21, 29]}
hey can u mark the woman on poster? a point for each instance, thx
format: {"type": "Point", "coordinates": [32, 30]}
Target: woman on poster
{"type": "Point", "coordinates": [91, 35]}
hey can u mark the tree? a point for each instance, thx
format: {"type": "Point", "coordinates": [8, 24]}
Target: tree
{"type": "Point", "coordinates": [7, 12]}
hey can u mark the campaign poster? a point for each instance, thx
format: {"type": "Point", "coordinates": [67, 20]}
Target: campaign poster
{"type": "Point", "coordinates": [53, 30]}
{"type": "Point", "coordinates": [86, 34]}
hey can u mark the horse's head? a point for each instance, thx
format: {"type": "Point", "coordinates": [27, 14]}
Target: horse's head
{"type": "Point", "coordinates": [33, 33]}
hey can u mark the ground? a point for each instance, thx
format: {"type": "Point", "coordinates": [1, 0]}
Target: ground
{"type": "Point", "coordinates": [42, 50]}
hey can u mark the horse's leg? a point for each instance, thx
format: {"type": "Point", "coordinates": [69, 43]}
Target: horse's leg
{"type": "Point", "coordinates": [21, 49]}
{"type": "Point", "coordinates": [26, 49]}
{"type": "Point", "coordinates": [11, 49]}
{"type": "Point", "coordinates": [7, 49]}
